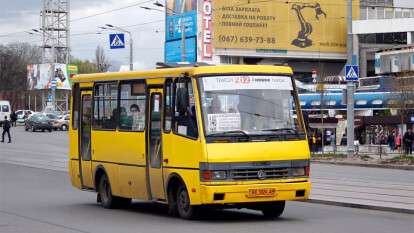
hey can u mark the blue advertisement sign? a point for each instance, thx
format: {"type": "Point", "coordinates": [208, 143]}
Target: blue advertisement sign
{"type": "Point", "coordinates": [173, 25]}
{"type": "Point", "coordinates": [173, 50]}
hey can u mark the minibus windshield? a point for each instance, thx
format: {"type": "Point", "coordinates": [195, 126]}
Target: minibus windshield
{"type": "Point", "coordinates": [247, 105]}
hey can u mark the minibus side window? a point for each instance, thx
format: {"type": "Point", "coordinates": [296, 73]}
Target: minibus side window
{"type": "Point", "coordinates": [105, 106]}
{"type": "Point", "coordinates": [185, 120]}
{"type": "Point", "coordinates": [168, 100]}
{"type": "Point", "coordinates": [132, 106]}
{"type": "Point", "coordinates": [75, 104]}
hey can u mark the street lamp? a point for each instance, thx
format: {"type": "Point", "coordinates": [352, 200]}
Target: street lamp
{"type": "Point", "coordinates": [182, 25]}
{"type": "Point", "coordinates": [131, 43]}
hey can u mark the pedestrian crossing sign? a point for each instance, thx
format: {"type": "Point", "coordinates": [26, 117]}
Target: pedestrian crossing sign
{"type": "Point", "coordinates": [117, 41]}
{"type": "Point", "coordinates": [351, 73]}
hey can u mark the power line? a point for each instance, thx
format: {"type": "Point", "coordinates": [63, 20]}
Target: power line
{"type": "Point", "coordinates": [110, 11]}
{"type": "Point", "coordinates": [86, 17]}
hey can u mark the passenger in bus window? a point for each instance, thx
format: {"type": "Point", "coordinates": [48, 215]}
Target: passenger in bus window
{"type": "Point", "coordinates": [215, 106]}
{"type": "Point", "coordinates": [138, 118]}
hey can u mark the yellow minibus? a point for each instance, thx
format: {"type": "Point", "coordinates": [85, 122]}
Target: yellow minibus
{"type": "Point", "coordinates": [223, 136]}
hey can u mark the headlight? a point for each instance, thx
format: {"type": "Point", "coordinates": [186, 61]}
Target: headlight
{"type": "Point", "coordinates": [219, 175]}
{"type": "Point", "coordinates": [213, 175]}
{"type": "Point", "coordinates": [298, 171]}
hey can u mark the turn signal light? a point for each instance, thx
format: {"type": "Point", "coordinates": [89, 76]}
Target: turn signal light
{"type": "Point", "coordinates": [206, 175]}
{"type": "Point", "coordinates": [307, 170]}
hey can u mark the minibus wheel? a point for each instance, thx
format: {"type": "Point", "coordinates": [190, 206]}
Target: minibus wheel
{"type": "Point", "coordinates": [107, 200]}
{"type": "Point", "coordinates": [105, 193]}
{"type": "Point", "coordinates": [184, 207]}
{"type": "Point", "coordinates": [273, 210]}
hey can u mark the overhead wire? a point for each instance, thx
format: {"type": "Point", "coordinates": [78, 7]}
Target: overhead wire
{"type": "Point", "coordinates": [86, 17]}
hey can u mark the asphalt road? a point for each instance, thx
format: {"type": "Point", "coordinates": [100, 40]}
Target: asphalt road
{"type": "Point", "coordinates": [38, 200]}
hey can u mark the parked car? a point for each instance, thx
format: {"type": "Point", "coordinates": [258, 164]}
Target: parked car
{"type": "Point", "coordinates": [21, 115]}
{"type": "Point", "coordinates": [59, 122]}
{"type": "Point", "coordinates": [5, 110]}
{"type": "Point", "coordinates": [38, 122]}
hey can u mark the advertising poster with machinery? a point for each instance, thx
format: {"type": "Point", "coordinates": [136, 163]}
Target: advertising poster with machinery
{"type": "Point", "coordinates": [304, 25]}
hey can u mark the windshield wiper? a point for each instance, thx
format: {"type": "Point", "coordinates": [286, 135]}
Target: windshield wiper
{"type": "Point", "coordinates": [280, 129]}
{"type": "Point", "coordinates": [225, 133]}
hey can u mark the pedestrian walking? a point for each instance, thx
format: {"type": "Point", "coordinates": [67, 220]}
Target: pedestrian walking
{"type": "Point", "coordinates": [6, 129]}
{"type": "Point", "coordinates": [13, 118]}
{"type": "Point", "coordinates": [391, 141]}
{"type": "Point", "coordinates": [398, 142]}
{"type": "Point", "coordinates": [408, 140]}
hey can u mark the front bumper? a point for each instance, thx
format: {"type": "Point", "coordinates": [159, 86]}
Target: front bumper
{"type": "Point", "coordinates": [238, 193]}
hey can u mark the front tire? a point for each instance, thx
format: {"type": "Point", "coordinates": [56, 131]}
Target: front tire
{"type": "Point", "coordinates": [273, 210]}
{"type": "Point", "coordinates": [64, 128]}
{"type": "Point", "coordinates": [184, 207]}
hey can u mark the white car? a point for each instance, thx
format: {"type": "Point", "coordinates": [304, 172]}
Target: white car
{"type": "Point", "coordinates": [5, 110]}
{"type": "Point", "coordinates": [21, 115]}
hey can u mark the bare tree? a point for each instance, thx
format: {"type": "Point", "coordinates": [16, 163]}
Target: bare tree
{"type": "Point", "coordinates": [403, 85]}
{"type": "Point", "coordinates": [14, 59]}
{"type": "Point", "coordinates": [101, 61]}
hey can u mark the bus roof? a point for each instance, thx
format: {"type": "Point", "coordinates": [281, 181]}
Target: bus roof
{"type": "Point", "coordinates": [176, 72]}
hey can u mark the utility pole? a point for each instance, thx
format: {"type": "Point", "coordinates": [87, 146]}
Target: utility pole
{"type": "Point", "coordinates": [183, 57]}
{"type": "Point", "coordinates": [350, 87]}
{"type": "Point", "coordinates": [131, 53]}
{"type": "Point", "coordinates": [182, 40]}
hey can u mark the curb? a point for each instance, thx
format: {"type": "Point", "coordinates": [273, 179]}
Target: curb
{"type": "Point", "coordinates": [361, 206]}
{"type": "Point", "coordinates": [387, 166]}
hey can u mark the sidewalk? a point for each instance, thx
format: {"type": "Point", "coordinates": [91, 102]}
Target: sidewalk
{"type": "Point", "coordinates": [371, 188]}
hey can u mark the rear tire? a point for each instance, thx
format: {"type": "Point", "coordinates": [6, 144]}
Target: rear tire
{"type": "Point", "coordinates": [184, 208]}
{"type": "Point", "coordinates": [107, 200]}
{"type": "Point", "coordinates": [273, 210]}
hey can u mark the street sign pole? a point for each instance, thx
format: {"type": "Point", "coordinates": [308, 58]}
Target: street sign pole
{"type": "Point", "coordinates": [350, 88]}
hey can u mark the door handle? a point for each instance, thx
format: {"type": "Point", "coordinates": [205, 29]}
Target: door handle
{"type": "Point", "coordinates": [165, 160]}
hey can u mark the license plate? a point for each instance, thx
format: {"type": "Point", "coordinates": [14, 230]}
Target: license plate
{"type": "Point", "coordinates": [263, 192]}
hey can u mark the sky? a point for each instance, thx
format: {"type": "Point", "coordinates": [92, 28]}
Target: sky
{"type": "Point", "coordinates": [18, 16]}
{"type": "Point", "coordinates": [146, 26]}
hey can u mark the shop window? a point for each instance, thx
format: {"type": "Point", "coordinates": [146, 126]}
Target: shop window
{"type": "Point", "coordinates": [315, 103]}
{"type": "Point", "coordinates": [330, 102]}
{"type": "Point", "coordinates": [361, 102]}
{"type": "Point", "coordinates": [377, 102]}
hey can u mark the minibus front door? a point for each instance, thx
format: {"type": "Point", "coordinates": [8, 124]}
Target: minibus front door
{"type": "Point", "coordinates": [85, 156]}
{"type": "Point", "coordinates": [155, 181]}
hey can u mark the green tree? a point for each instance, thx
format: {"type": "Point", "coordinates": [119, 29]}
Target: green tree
{"type": "Point", "coordinates": [85, 66]}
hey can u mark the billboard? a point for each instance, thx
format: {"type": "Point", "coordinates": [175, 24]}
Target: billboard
{"type": "Point", "coordinates": [305, 25]}
{"type": "Point", "coordinates": [179, 12]}
{"type": "Point", "coordinates": [205, 23]}
{"type": "Point", "coordinates": [40, 76]}
{"type": "Point", "coordinates": [173, 50]}
{"type": "Point", "coordinates": [173, 30]}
